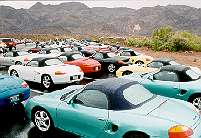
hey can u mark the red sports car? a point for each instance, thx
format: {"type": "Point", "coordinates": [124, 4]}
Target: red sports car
{"type": "Point", "coordinates": [87, 64]}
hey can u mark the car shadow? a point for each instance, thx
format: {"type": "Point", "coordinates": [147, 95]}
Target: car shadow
{"type": "Point", "coordinates": [34, 133]}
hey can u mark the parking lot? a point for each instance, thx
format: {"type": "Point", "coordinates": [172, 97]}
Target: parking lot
{"type": "Point", "coordinates": [12, 127]}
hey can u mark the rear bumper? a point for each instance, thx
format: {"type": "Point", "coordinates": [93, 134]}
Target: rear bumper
{"type": "Point", "coordinates": [23, 95]}
{"type": "Point", "coordinates": [64, 79]}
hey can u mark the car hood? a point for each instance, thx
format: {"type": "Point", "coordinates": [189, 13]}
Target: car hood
{"type": "Point", "coordinates": [177, 112]}
{"type": "Point", "coordinates": [87, 61]}
{"type": "Point", "coordinates": [170, 110]}
{"type": "Point", "coordinates": [56, 95]}
{"type": "Point", "coordinates": [64, 68]}
{"type": "Point", "coordinates": [9, 83]}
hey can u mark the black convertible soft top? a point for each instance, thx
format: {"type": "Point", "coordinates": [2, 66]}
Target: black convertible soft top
{"type": "Point", "coordinates": [175, 68]}
{"type": "Point", "coordinates": [113, 88]}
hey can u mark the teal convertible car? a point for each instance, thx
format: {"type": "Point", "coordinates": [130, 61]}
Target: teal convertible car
{"type": "Point", "coordinates": [114, 108]}
{"type": "Point", "coordinates": [175, 81]}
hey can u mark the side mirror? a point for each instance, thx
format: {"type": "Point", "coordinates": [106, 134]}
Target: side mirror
{"type": "Point", "coordinates": [151, 78]}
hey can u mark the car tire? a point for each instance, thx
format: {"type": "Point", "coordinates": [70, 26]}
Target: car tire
{"type": "Point", "coordinates": [18, 63]}
{"type": "Point", "coordinates": [126, 73]}
{"type": "Point", "coordinates": [139, 62]}
{"type": "Point", "coordinates": [14, 73]}
{"type": "Point", "coordinates": [136, 135]}
{"type": "Point", "coordinates": [42, 120]}
{"type": "Point", "coordinates": [111, 68]}
{"type": "Point", "coordinates": [196, 101]}
{"type": "Point", "coordinates": [46, 82]}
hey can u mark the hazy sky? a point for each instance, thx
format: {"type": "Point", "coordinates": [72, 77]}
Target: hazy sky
{"type": "Point", "coordinates": [135, 4]}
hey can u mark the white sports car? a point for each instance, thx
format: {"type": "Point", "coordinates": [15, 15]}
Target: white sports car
{"type": "Point", "coordinates": [47, 71]}
{"type": "Point", "coordinates": [16, 58]}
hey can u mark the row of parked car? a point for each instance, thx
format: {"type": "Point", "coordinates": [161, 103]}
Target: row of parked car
{"type": "Point", "coordinates": [150, 91]}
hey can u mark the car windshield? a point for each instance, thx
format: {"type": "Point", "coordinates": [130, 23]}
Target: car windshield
{"type": "Point", "coordinates": [174, 63]}
{"type": "Point", "coordinates": [22, 53]}
{"type": "Point", "coordinates": [77, 56]}
{"type": "Point", "coordinates": [51, 62]}
{"type": "Point", "coordinates": [132, 97]}
{"type": "Point", "coordinates": [6, 40]}
{"type": "Point", "coordinates": [192, 74]}
{"type": "Point", "coordinates": [111, 54]}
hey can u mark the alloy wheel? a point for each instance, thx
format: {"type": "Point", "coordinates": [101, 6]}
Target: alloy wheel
{"type": "Point", "coordinates": [42, 121]}
{"type": "Point", "coordinates": [197, 103]}
{"type": "Point", "coordinates": [46, 81]}
{"type": "Point", "coordinates": [111, 68]}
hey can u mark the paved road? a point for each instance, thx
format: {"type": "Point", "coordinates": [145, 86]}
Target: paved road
{"type": "Point", "coordinates": [11, 125]}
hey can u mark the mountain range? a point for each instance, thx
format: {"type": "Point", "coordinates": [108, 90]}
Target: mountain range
{"type": "Point", "coordinates": [77, 18]}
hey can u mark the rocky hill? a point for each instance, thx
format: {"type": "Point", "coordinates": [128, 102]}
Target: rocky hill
{"type": "Point", "coordinates": [77, 18]}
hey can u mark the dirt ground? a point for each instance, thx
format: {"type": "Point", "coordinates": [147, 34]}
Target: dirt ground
{"type": "Point", "coordinates": [187, 58]}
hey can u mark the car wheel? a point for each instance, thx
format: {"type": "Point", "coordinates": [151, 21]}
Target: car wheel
{"type": "Point", "coordinates": [18, 63]}
{"type": "Point", "coordinates": [42, 120]}
{"type": "Point", "coordinates": [46, 81]}
{"type": "Point", "coordinates": [14, 73]}
{"type": "Point", "coordinates": [196, 101]}
{"type": "Point", "coordinates": [136, 135]}
{"type": "Point", "coordinates": [139, 62]}
{"type": "Point", "coordinates": [126, 73]}
{"type": "Point", "coordinates": [111, 68]}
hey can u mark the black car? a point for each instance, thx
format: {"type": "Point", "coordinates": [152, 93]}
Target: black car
{"type": "Point", "coordinates": [109, 61]}
{"type": "Point", "coordinates": [49, 51]}
{"type": "Point", "coordinates": [160, 62]}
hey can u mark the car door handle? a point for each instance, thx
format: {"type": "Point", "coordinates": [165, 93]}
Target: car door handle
{"type": "Point", "coordinates": [101, 119]}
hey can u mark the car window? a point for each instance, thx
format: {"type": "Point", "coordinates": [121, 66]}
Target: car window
{"type": "Point", "coordinates": [137, 94]}
{"type": "Point", "coordinates": [33, 64]}
{"type": "Point", "coordinates": [54, 51]}
{"type": "Point", "coordinates": [166, 76]}
{"type": "Point", "coordinates": [22, 53]}
{"type": "Point", "coordinates": [9, 54]}
{"type": "Point", "coordinates": [125, 54]}
{"type": "Point", "coordinates": [93, 98]}
{"type": "Point", "coordinates": [98, 55]}
{"type": "Point", "coordinates": [155, 64]}
{"type": "Point", "coordinates": [6, 40]}
{"type": "Point", "coordinates": [51, 62]}
{"type": "Point", "coordinates": [76, 56]}
{"type": "Point", "coordinates": [192, 74]}
{"type": "Point", "coordinates": [63, 58]}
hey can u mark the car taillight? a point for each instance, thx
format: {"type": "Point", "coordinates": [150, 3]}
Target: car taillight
{"type": "Point", "coordinates": [59, 73]}
{"type": "Point", "coordinates": [24, 85]}
{"type": "Point", "coordinates": [180, 131]}
{"type": "Point", "coordinates": [120, 62]}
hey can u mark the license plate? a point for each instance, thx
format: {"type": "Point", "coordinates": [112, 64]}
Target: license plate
{"type": "Point", "coordinates": [75, 77]}
{"type": "Point", "coordinates": [14, 98]}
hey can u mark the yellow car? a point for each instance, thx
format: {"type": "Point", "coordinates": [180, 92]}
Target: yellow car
{"type": "Point", "coordinates": [135, 57]}
{"type": "Point", "coordinates": [152, 66]}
